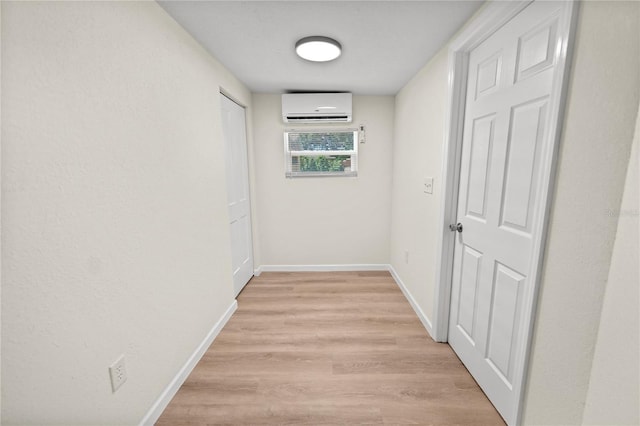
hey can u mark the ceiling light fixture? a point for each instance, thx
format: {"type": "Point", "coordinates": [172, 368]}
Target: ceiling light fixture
{"type": "Point", "coordinates": [318, 49]}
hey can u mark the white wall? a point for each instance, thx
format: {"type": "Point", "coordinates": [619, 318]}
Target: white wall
{"type": "Point", "coordinates": [327, 220]}
{"type": "Point", "coordinates": [601, 111]}
{"type": "Point", "coordinates": [616, 361]}
{"type": "Point", "coordinates": [115, 237]}
{"type": "Point", "coordinates": [418, 136]}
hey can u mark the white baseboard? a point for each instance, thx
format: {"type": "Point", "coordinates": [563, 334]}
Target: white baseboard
{"type": "Point", "coordinates": [165, 397]}
{"type": "Point", "coordinates": [257, 271]}
{"type": "Point", "coordinates": [423, 318]}
{"type": "Point", "coordinates": [322, 268]}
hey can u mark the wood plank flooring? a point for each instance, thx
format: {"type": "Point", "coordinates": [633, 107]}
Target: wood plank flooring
{"type": "Point", "coordinates": [327, 348]}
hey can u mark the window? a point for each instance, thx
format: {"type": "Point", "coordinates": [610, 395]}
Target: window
{"type": "Point", "coordinates": [321, 153]}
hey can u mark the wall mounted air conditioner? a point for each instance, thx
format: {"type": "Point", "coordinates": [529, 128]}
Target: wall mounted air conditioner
{"type": "Point", "coordinates": [316, 108]}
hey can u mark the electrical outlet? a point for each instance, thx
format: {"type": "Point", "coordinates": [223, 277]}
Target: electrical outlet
{"type": "Point", "coordinates": [118, 373]}
{"type": "Point", "coordinates": [428, 185]}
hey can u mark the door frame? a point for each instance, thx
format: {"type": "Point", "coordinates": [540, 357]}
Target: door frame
{"type": "Point", "coordinates": [488, 21]}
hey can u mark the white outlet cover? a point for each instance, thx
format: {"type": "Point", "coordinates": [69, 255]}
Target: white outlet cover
{"type": "Point", "coordinates": [118, 373]}
{"type": "Point", "coordinates": [428, 185]}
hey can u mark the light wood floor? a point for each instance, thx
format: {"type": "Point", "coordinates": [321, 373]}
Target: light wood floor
{"type": "Point", "coordinates": [327, 348]}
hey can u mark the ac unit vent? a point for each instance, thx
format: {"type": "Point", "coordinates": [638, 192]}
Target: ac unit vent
{"type": "Point", "coordinates": [316, 108]}
{"type": "Point", "coordinates": [342, 118]}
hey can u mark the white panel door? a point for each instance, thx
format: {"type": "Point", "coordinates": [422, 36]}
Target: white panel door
{"type": "Point", "coordinates": [234, 130]}
{"type": "Point", "coordinates": [510, 78]}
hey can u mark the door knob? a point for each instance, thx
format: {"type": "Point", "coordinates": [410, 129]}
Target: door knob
{"type": "Point", "coordinates": [456, 227]}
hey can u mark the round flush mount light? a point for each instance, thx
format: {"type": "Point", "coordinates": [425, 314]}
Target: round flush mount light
{"type": "Point", "coordinates": [318, 49]}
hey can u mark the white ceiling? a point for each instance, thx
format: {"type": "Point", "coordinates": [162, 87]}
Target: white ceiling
{"type": "Point", "coordinates": [384, 42]}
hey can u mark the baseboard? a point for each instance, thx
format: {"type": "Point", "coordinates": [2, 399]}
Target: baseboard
{"type": "Point", "coordinates": [322, 268]}
{"type": "Point", "coordinates": [165, 397]}
{"type": "Point", "coordinates": [423, 318]}
{"type": "Point", "coordinates": [257, 271]}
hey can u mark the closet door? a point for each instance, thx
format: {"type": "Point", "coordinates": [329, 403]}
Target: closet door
{"type": "Point", "coordinates": [239, 203]}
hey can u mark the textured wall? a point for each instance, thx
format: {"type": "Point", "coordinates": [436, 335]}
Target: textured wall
{"type": "Point", "coordinates": [617, 352]}
{"type": "Point", "coordinates": [325, 220]}
{"type": "Point", "coordinates": [115, 236]}
{"type": "Point", "coordinates": [601, 110]}
{"type": "Point", "coordinates": [417, 153]}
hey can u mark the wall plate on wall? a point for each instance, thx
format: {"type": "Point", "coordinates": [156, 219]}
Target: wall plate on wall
{"type": "Point", "coordinates": [428, 185]}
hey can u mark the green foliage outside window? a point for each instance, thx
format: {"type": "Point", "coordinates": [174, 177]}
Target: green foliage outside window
{"type": "Point", "coordinates": [324, 164]}
{"type": "Point", "coordinates": [338, 141]}
{"type": "Point", "coordinates": [321, 153]}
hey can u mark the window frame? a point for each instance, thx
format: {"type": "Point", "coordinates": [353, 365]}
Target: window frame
{"type": "Point", "coordinates": [289, 154]}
